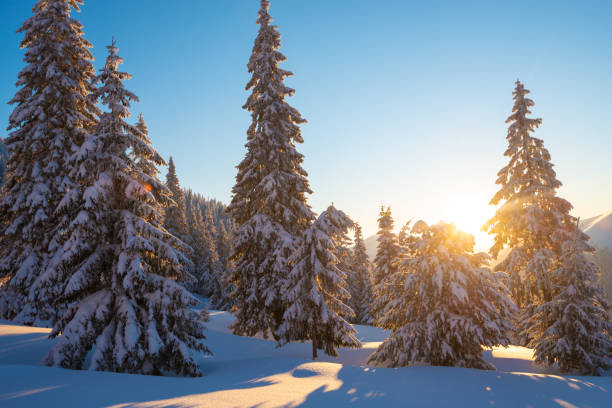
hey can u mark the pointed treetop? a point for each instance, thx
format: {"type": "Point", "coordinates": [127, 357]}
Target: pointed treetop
{"type": "Point", "coordinates": [263, 18]}
{"type": "Point", "coordinates": [171, 168]}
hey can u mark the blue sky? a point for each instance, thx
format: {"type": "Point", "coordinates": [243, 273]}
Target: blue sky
{"type": "Point", "coordinates": [406, 101]}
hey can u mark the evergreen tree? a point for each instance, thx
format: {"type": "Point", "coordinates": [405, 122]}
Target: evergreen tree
{"type": "Point", "coordinates": [573, 329]}
{"type": "Point", "coordinates": [196, 238]}
{"type": "Point", "coordinates": [345, 262]}
{"type": "Point", "coordinates": [451, 307]}
{"type": "Point", "coordinates": [602, 258]}
{"type": "Point", "coordinates": [361, 283]}
{"type": "Point", "coordinates": [224, 249]}
{"type": "Point", "coordinates": [50, 120]}
{"type": "Point", "coordinates": [147, 164]}
{"type": "Point", "coordinates": [118, 262]}
{"type": "Point", "coordinates": [3, 159]}
{"type": "Point", "coordinates": [532, 221]}
{"type": "Point", "coordinates": [269, 198]}
{"type": "Point", "coordinates": [217, 284]}
{"type": "Point", "coordinates": [406, 240]}
{"type": "Point", "coordinates": [316, 289]}
{"type": "Point", "coordinates": [385, 263]}
{"type": "Point", "coordinates": [175, 221]}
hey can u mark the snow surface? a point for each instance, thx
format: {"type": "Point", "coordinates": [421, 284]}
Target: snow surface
{"type": "Point", "coordinates": [252, 372]}
{"type": "Point", "coordinates": [600, 230]}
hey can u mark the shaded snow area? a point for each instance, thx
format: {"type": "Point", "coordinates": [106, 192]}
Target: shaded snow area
{"type": "Point", "coordinates": [251, 372]}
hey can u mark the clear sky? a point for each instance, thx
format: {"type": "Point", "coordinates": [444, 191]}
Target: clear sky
{"type": "Point", "coordinates": [406, 101]}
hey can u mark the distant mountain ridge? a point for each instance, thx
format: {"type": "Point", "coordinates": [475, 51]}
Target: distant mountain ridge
{"type": "Point", "coordinates": [599, 229]}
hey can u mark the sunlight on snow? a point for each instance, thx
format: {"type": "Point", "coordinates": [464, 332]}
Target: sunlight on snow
{"type": "Point", "coordinates": [288, 389]}
{"type": "Point", "coordinates": [13, 395]}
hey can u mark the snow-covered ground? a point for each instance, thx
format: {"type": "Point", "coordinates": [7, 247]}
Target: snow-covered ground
{"type": "Point", "coordinates": [249, 372]}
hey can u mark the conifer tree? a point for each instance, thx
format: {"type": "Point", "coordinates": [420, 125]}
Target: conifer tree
{"type": "Point", "coordinates": [405, 240]}
{"type": "Point", "coordinates": [196, 239]}
{"type": "Point", "coordinates": [451, 307]}
{"type": "Point", "coordinates": [385, 263]}
{"type": "Point", "coordinates": [269, 198]}
{"type": "Point", "coordinates": [3, 159]}
{"type": "Point", "coordinates": [217, 284]}
{"type": "Point", "coordinates": [175, 213]}
{"type": "Point", "coordinates": [345, 262]}
{"type": "Point", "coordinates": [119, 264]}
{"type": "Point", "coordinates": [573, 329]}
{"type": "Point", "coordinates": [361, 282]}
{"type": "Point", "coordinates": [532, 221]}
{"type": "Point", "coordinates": [316, 289]}
{"type": "Point", "coordinates": [224, 250]}
{"type": "Point", "coordinates": [50, 120]}
{"type": "Point", "coordinates": [147, 164]}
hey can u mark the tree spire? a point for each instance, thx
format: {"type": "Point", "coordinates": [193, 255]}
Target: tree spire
{"type": "Point", "coordinates": [53, 113]}
{"type": "Point", "coordinates": [269, 198]}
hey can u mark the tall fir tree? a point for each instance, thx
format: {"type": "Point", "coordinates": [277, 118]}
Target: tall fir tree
{"type": "Point", "coordinates": [385, 263]}
{"type": "Point", "coordinates": [118, 262]}
{"type": "Point", "coordinates": [316, 289]}
{"type": "Point", "coordinates": [532, 221]}
{"type": "Point", "coordinates": [344, 262]}
{"type": "Point", "coordinates": [218, 286]}
{"type": "Point", "coordinates": [175, 221]}
{"type": "Point", "coordinates": [573, 329]}
{"type": "Point", "coordinates": [360, 284]}
{"type": "Point", "coordinates": [451, 307]}
{"type": "Point", "coordinates": [3, 159]}
{"type": "Point", "coordinates": [196, 239]}
{"type": "Point", "coordinates": [224, 250]}
{"type": "Point", "coordinates": [53, 113]}
{"type": "Point", "coordinates": [269, 198]}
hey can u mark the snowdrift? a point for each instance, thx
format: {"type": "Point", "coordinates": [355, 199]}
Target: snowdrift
{"type": "Point", "coordinates": [252, 372]}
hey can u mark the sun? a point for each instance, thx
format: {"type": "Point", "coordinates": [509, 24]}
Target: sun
{"type": "Point", "coordinates": [469, 214]}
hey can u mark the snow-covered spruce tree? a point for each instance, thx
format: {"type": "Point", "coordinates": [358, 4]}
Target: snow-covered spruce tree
{"type": "Point", "coordinates": [224, 250]}
{"type": "Point", "coordinates": [147, 165]}
{"type": "Point", "coordinates": [452, 305]}
{"type": "Point", "coordinates": [207, 267]}
{"type": "Point", "coordinates": [118, 260]}
{"type": "Point", "coordinates": [175, 221]}
{"type": "Point", "coordinates": [50, 120]}
{"type": "Point", "coordinates": [3, 159]}
{"type": "Point", "coordinates": [200, 255]}
{"type": "Point", "coordinates": [573, 329]}
{"type": "Point", "coordinates": [385, 263]}
{"type": "Point", "coordinates": [218, 285]}
{"type": "Point", "coordinates": [360, 285]}
{"type": "Point", "coordinates": [269, 198]}
{"type": "Point", "coordinates": [406, 240]}
{"type": "Point", "coordinates": [344, 262]}
{"type": "Point", "coordinates": [316, 289]}
{"type": "Point", "coordinates": [532, 221]}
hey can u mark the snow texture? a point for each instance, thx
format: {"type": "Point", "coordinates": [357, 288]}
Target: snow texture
{"type": "Point", "coordinates": [246, 372]}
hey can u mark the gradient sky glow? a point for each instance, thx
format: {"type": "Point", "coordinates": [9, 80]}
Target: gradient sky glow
{"type": "Point", "coordinates": [406, 101]}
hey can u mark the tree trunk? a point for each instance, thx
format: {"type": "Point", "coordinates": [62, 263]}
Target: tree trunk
{"type": "Point", "coordinates": [314, 348]}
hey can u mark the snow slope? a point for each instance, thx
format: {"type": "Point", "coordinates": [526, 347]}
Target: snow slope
{"type": "Point", "coordinates": [600, 230]}
{"type": "Point", "coordinates": [371, 244]}
{"type": "Point", "coordinates": [251, 372]}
